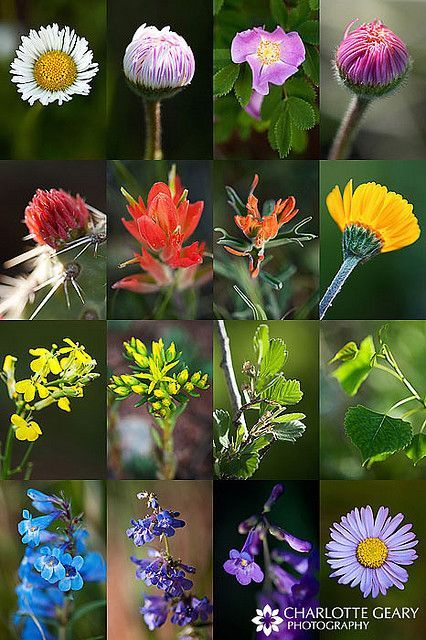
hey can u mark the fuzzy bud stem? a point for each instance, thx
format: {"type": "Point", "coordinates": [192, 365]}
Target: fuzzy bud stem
{"type": "Point", "coordinates": [348, 129]}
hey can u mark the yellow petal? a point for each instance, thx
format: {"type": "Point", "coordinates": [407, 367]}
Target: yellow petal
{"type": "Point", "coordinates": [42, 391]}
{"type": "Point", "coordinates": [54, 365]}
{"type": "Point", "coordinates": [18, 421]}
{"type": "Point", "coordinates": [64, 404]}
{"type": "Point", "coordinates": [22, 433]}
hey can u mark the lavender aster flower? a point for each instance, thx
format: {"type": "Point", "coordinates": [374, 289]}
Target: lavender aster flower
{"type": "Point", "coordinates": [242, 565]}
{"type": "Point", "coordinates": [273, 57]}
{"type": "Point", "coordinates": [158, 63]}
{"type": "Point", "coordinates": [369, 552]}
{"type": "Point", "coordinates": [372, 58]}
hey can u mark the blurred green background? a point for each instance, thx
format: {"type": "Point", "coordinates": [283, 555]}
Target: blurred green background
{"type": "Point", "coordinates": [392, 285]}
{"type": "Point", "coordinates": [193, 544]}
{"type": "Point", "coordinates": [407, 497]}
{"type": "Point", "coordinates": [297, 267]}
{"type": "Point", "coordinates": [130, 441]}
{"type": "Point", "coordinates": [187, 117]}
{"type": "Point", "coordinates": [407, 341]}
{"type": "Point", "coordinates": [87, 496]}
{"type": "Point", "coordinates": [296, 512]}
{"type": "Point", "coordinates": [137, 177]}
{"type": "Point", "coordinates": [293, 461]}
{"type": "Point", "coordinates": [75, 129]}
{"type": "Point", "coordinates": [394, 127]}
{"type": "Point", "coordinates": [73, 445]}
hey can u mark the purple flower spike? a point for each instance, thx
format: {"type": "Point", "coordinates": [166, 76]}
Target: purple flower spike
{"type": "Point", "coordinates": [372, 58]}
{"type": "Point", "coordinates": [368, 551]}
{"type": "Point", "coordinates": [273, 57]}
{"type": "Point", "coordinates": [243, 567]}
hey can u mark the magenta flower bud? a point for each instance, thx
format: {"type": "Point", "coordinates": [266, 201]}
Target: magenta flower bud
{"type": "Point", "coordinates": [158, 63]}
{"type": "Point", "coordinates": [372, 60]}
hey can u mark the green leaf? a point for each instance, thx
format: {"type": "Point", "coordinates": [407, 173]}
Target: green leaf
{"type": "Point", "coordinates": [260, 443]}
{"type": "Point", "coordinates": [299, 140]}
{"type": "Point", "coordinates": [300, 88]}
{"type": "Point", "coordinates": [353, 373]}
{"type": "Point", "coordinates": [156, 437]}
{"type": "Point", "coordinates": [289, 431]}
{"type": "Point", "coordinates": [348, 352]}
{"type": "Point", "coordinates": [299, 14]}
{"type": "Point", "coordinates": [261, 342]}
{"type": "Point", "coordinates": [258, 311]}
{"type": "Point", "coordinates": [284, 391]}
{"type": "Point", "coordinates": [224, 80]}
{"type": "Point", "coordinates": [309, 31]}
{"type": "Point", "coordinates": [217, 6]}
{"type": "Point", "coordinates": [301, 113]}
{"type": "Point", "coordinates": [376, 434]}
{"type": "Point", "coordinates": [85, 609]}
{"type": "Point", "coordinates": [221, 57]}
{"type": "Point", "coordinates": [241, 466]}
{"type": "Point", "coordinates": [311, 64]}
{"type": "Point", "coordinates": [288, 417]}
{"type": "Point", "coordinates": [279, 12]}
{"type": "Point", "coordinates": [271, 280]}
{"type": "Point", "coordinates": [222, 428]}
{"type": "Point", "coordinates": [274, 360]}
{"type": "Point", "coordinates": [283, 133]}
{"type": "Point", "coordinates": [417, 449]}
{"type": "Point", "coordinates": [271, 102]}
{"type": "Point", "coordinates": [314, 5]}
{"type": "Point", "coordinates": [243, 88]}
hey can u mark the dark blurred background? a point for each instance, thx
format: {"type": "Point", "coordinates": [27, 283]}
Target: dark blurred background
{"type": "Point", "coordinates": [392, 285]}
{"type": "Point", "coordinates": [75, 129]}
{"type": "Point", "coordinates": [293, 461]}
{"type": "Point", "coordinates": [73, 445]}
{"type": "Point", "coordinates": [130, 449]}
{"type": "Point", "coordinates": [137, 177]}
{"type": "Point", "coordinates": [187, 117]}
{"type": "Point", "coordinates": [393, 127]}
{"type": "Point", "coordinates": [297, 267]}
{"type": "Point", "coordinates": [297, 511]}
{"type": "Point", "coordinates": [407, 497]}
{"type": "Point", "coordinates": [193, 544]}
{"type": "Point", "coordinates": [339, 457]}
{"type": "Point", "coordinates": [87, 496]}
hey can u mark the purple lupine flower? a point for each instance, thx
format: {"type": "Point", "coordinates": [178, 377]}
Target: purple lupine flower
{"type": "Point", "coordinates": [368, 551]}
{"type": "Point", "coordinates": [30, 528]}
{"type": "Point", "coordinates": [303, 546]}
{"type": "Point", "coordinates": [158, 60]}
{"type": "Point", "coordinates": [242, 565]}
{"type": "Point", "coordinates": [372, 56]}
{"type": "Point", "coordinates": [155, 611]}
{"type": "Point", "coordinates": [166, 523]}
{"type": "Point", "coordinates": [272, 57]}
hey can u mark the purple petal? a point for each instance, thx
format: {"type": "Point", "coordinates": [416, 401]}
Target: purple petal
{"type": "Point", "coordinates": [244, 44]}
{"type": "Point", "coordinates": [380, 520]}
{"type": "Point", "coordinates": [292, 49]}
{"type": "Point", "coordinates": [230, 567]}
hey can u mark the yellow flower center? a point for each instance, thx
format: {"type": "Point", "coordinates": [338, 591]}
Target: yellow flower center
{"type": "Point", "coordinates": [268, 52]}
{"type": "Point", "coordinates": [372, 553]}
{"type": "Point", "coordinates": [55, 71]}
{"type": "Point", "coordinates": [244, 563]}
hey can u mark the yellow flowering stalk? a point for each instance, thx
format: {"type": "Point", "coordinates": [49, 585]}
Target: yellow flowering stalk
{"type": "Point", "coordinates": [165, 385]}
{"type": "Point", "coordinates": [373, 220]}
{"type": "Point", "coordinates": [56, 375]}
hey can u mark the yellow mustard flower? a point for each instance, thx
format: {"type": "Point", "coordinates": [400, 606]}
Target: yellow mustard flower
{"type": "Point", "coordinates": [64, 404]}
{"type": "Point", "coordinates": [75, 351]}
{"type": "Point", "coordinates": [44, 362]}
{"type": "Point", "coordinates": [29, 388]}
{"type": "Point", "coordinates": [25, 430]}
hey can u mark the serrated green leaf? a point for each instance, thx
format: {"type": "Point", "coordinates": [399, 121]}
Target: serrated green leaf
{"type": "Point", "coordinates": [260, 443]}
{"type": "Point", "coordinates": [311, 64]}
{"type": "Point", "coordinates": [222, 428]}
{"type": "Point", "coordinates": [299, 140]}
{"type": "Point", "coordinates": [353, 373]}
{"type": "Point", "coordinates": [271, 102]}
{"type": "Point", "coordinates": [217, 6]}
{"type": "Point", "coordinates": [241, 466]}
{"type": "Point", "coordinates": [261, 342]}
{"type": "Point", "coordinates": [309, 31]}
{"type": "Point", "coordinates": [301, 113]}
{"type": "Point", "coordinates": [274, 360]}
{"type": "Point", "coordinates": [288, 417]}
{"type": "Point", "coordinates": [284, 392]}
{"type": "Point", "coordinates": [283, 133]}
{"type": "Point", "coordinates": [348, 352]}
{"type": "Point", "coordinates": [300, 88]}
{"type": "Point", "coordinates": [243, 86]}
{"type": "Point", "coordinates": [299, 14]}
{"type": "Point", "coordinates": [221, 58]}
{"type": "Point", "coordinates": [289, 431]}
{"type": "Point", "coordinates": [416, 451]}
{"type": "Point", "coordinates": [224, 79]}
{"type": "Point", "coordinates": [376, 434]}
{"type": "Point", "coordinates": [279, 12]}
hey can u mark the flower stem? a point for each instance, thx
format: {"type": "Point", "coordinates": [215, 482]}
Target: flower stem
{"type": "Point", "coordinates": [339, 280]}
{"type": "Point", "coordinates": [22, 464]}
{"type": "Point", "coordinates": [153, 130]}
{"type": "Point", "coordinates": [267, 561]}
{"type": "Point", "coordinates": [348, 129]}
{"type": "Point", "coordinates": [5, 470]}
{"type": "Point", "coordinates": [228, 369]}
{"type": "Point", "coordinates": [168, 465]}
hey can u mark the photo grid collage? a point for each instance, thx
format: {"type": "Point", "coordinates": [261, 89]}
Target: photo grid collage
{"type": "Point", "coordinates": [213, 319]}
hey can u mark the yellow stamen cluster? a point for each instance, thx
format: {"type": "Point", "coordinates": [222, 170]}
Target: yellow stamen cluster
{"type": "Point", "coordinates": [372, 553]}
{"type": "Point", "coordinates": [268, 52]}
{"type": "Point", "coordinates": [55, 71]}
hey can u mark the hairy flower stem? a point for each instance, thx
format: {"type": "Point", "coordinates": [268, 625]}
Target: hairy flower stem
{"type": "Point", "coordinates": [153, 130]}
{"type": "Point", "coordinates": [168, 461]}
{"type": "Point", "coordinates": [339, 280]}
{"type": "Point", "coordinates": [228, 369]}
{"type": "Point", "coordinates": [348, 129]}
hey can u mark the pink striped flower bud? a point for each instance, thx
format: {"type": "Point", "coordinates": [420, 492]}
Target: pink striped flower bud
{"type": "Point", "coordinates": [158, 63]}
{"type": "Point", "coordinates": [55, 217]}
{"type": "Point", "coordinates": [372, 59]}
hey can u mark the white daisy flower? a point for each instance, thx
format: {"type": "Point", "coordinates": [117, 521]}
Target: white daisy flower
{"type": "Point", "coordinates": [53, 64]}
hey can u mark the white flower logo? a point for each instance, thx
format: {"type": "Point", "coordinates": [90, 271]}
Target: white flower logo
{"type": "Point", "coordinates": [267, 620]}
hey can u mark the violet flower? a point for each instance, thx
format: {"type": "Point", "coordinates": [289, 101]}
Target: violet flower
{"type": "Point", "coordinates": [273, 57]}
{"type": "Point", "coordinates": [242, 565]}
